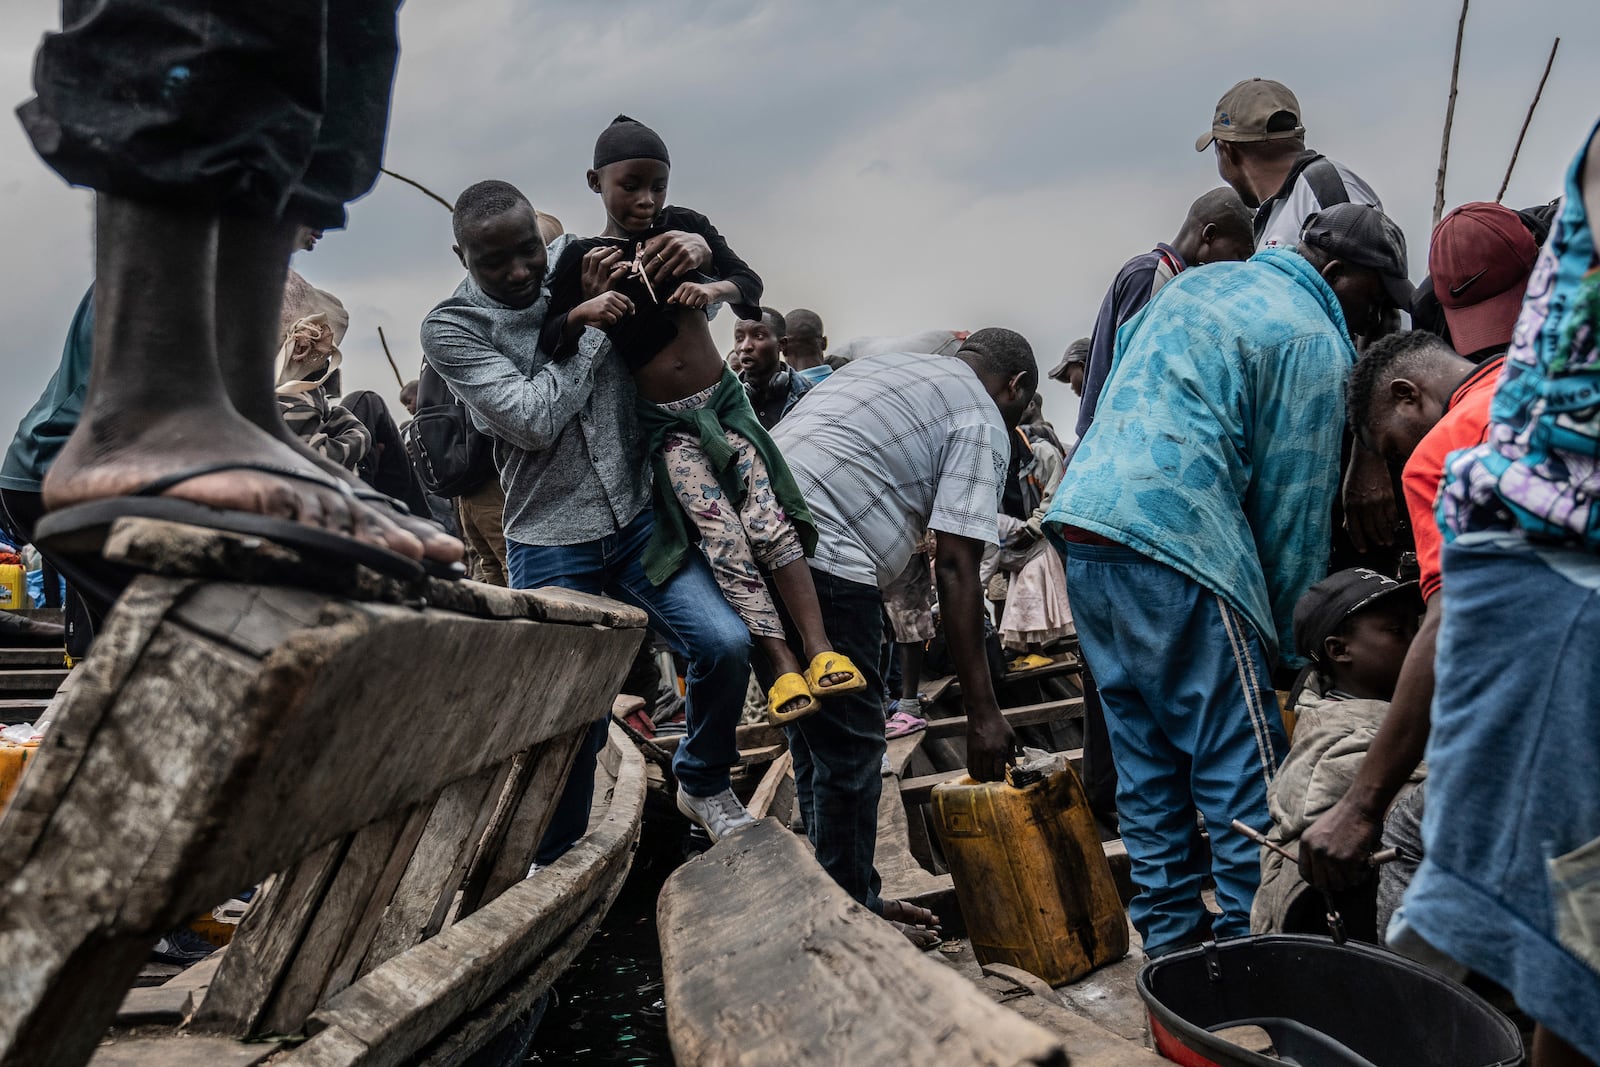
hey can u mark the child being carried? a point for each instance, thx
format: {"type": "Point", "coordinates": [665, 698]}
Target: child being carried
{"type": "Point", "coordinates": [651, 280]}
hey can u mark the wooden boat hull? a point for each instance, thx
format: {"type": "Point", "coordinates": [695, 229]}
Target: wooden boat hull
{"type": "Point", "coordinates": [389, 755]}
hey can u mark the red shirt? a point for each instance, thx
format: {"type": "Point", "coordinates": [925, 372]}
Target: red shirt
{"type": "Point", "coordinates": [1465, 424]}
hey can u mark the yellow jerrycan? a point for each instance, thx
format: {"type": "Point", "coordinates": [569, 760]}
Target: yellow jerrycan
{"type": "Point", "coordinates": [1030, 874]}
{"type": "Point", "coordinates": [13, 587]}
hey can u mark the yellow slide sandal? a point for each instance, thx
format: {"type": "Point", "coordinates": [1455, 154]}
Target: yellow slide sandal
{"type": "Point", "coordinates": [781, 707]}
{"type": "Point", "coordinates": [828, 663]}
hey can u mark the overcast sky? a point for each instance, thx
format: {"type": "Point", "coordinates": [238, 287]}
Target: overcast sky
{"type": "Point", "coordinates": [895, 166]}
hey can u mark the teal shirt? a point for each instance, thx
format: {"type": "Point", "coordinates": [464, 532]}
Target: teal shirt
{"type": "Point", "coordinates": [51, 420]}
{"type": "Point", "coordinates": [1215, 445]}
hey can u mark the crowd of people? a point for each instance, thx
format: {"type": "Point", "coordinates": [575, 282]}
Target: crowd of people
{"type": "Point", "coordinates": [1302, 548]}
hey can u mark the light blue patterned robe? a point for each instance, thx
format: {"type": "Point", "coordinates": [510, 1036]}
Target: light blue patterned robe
{"type": "Point", "coordinates": [1215, 447]}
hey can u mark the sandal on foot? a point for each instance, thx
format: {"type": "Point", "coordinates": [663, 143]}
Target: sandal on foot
{"type": "Point", "coordinates": [827, 663]}
{"type": "Point", "coordinates": [901, 724]}
{"type": "Point", "coordinates": [81, 529]}
{"type": "Point", "coordinates": [435, 568]}
{"type": "Point", "coordinates": [784, 692]}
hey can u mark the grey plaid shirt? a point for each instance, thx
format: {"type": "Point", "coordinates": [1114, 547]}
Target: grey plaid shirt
{"type": "Point", "coordinates": [567, 442]}
{"type": "Point", "coordinates": [888, 447]}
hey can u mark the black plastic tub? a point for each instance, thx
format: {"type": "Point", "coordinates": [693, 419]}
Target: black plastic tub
{"type": "Point", "coordinates": [1324, 1005]}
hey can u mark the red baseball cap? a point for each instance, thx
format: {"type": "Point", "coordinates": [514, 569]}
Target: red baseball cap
{"type": "Point", "coordinates": [1480, 260]}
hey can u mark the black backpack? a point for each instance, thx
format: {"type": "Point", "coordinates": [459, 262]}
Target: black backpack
{"type": "Point", "coordinates": [1320, 174]}
{"type": "Point", "coordinates": [452, 457]}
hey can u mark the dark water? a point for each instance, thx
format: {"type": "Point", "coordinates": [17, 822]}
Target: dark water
{"type": "Point", "coordinates": [607, 1008]}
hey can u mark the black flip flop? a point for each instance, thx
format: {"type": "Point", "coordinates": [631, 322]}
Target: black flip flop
{"type": "Point", "coordinates": [80, 529]}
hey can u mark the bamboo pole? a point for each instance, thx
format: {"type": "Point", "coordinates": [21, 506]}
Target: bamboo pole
{"type": "Point", "coordinates": [1449, 117]}
{"type": "Point", "coordinates": [1528, 118]}
{"type": "Point", "coordinates": [392, 364]}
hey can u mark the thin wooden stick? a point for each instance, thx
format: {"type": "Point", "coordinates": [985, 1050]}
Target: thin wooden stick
{"type": "Point", "coordinates": [1449, 118]}
{"type": "Point", "coordinates": [418, 185]}
{"type": "Point", "coordinates": [1537, 93]}
{"type": "Point", "coordinates": [392, 364]}
{"type": "Point", "coordinates": [1377, 859]}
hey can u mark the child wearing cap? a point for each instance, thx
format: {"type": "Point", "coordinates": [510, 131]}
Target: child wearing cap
{"type": "Point", "coordinates": [1413, 402]}
{"type": "Point", "coordinates": [713, 462]}
{"type": "Point", "coordinates": [1355, 627]}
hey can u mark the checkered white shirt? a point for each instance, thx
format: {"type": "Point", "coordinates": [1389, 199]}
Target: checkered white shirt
{"type": "Point", "coordinates": [888, 447]}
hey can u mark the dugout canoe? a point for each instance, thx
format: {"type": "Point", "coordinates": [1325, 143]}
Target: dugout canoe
{"type": "Point", "coordinates": [379, 759]}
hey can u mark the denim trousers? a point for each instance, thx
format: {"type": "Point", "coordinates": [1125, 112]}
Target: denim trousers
{"type": "Point", "coordinates": [1194, 724]}
{"type": "Point", "coordinates": [838, 750]}
{"type": "Point", "coordinates": [1509, 884]}
{"type": "Point", "coordinates": [689, 613]}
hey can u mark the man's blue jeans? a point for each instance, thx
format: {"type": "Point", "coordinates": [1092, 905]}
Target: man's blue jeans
{"type": "Point", "coordinates": [838, 750]}
{"type": "Point", "coordinates": [1194, 724]}
{"type": "Point", "coordinates": [691, 615]}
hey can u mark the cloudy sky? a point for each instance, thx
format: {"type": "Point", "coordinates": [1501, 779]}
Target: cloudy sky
{"type": "Point", "coordinates": [896, 166]}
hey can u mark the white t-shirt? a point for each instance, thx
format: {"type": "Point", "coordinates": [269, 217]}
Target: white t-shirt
{"type": "Point", "coordinates": [888, 447]}
{"type": "Point", "coordinates": [1290, 213]}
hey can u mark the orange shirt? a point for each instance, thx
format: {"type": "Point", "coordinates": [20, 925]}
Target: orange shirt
{"type": "Point", "coordinates": [1465, 424]}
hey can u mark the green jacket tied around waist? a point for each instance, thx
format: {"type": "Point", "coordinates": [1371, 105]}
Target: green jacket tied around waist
{"type": "Point", "coordinates": [728, 410]}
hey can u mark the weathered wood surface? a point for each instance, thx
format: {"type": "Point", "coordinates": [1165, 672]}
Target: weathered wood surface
{"type": "Point", "coordinates": [41, 658]}
{"type": "Point", "coordinates": [222, 732]}
{"type": "Point", "coordinates": [1027, 715]}
{"type": "Point", "coordinates": [517, 824]}
{"type": "Point", "coordinates": [766, 961]}
{"type": "Point", "coordinates": [778, 779]}
{"type": "Point", "coordinates": [395, 1012]}
{"type": "Point", "coordinates": [1105, 999]}
{"type": "Point", "coordinates": [903, 877]}
{"type": "Point", "coordinates": [179, 1050]}
{"type": "Point", "coordinates": [749, 737]}
{"type": "Point", "coordinates": [32, 682]}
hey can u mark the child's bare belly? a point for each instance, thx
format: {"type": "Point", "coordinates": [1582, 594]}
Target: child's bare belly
{"type": "Point", "coordinates": [689, 364]}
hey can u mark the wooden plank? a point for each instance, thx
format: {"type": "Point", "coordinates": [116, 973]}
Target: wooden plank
{"type": "Point", "coordinates": [437, 865]}
{"type": "Point", "coordinates": [1028, 715]}
{"type": "Point", "coordinates": [22, 709]}
{"type": "Point", "coordinates": [902, 875]}
{"type": "Point", "coordinates": [175, 1000]}
{"type": "Point", "coordinates": [155, 1004]}
{"type": "Point", "coordinates": [37, 681]}
{"type": "Point", "coordinates": [181, 1050]}
{"type": "Point", "coordinates": [348, 963]}
{"type": "Point", "coordinates": [901, 751]}
{"type": "Point", "coordinates": [266, 943]}
{"type": "Point", "coordinates": [949, 687]}
{"type": "Point", "coordinates": [337, 927]}
{"type": "Point", "coordinates": [761, 800]}
{"type": "Point", "coordinates": [48, 658]}
{"type": "Point", "coordinates": [507, 847]}
{"type": "Point", "coordinates": [206, 768]}
{"type": "Point", "coordinates": [397, 1010]}
{"type": "Point", "coordinates": [766, 961]}
{"type": "Point", "coordinates": [1091, 1045]}
{"type": "Point", "coordinates": [749, 737]}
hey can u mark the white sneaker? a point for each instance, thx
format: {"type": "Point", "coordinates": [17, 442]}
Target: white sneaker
{"type": "Point", "coordinates": [718, 815]}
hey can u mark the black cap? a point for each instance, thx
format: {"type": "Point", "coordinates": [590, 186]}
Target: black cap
{"type": "Point", "coordinates": [1077, 352]}
{"type": "Point", "coordinates": [1326, 605]}
{"type": "Point", "coordinates": [1366, 237]}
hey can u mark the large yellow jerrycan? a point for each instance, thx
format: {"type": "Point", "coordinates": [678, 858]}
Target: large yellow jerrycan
{"type": "Point", "coordinates": [1033, 881]}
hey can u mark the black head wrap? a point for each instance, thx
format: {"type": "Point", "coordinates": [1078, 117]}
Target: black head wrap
{"type": "Point", "coordinates": [628, 138]}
